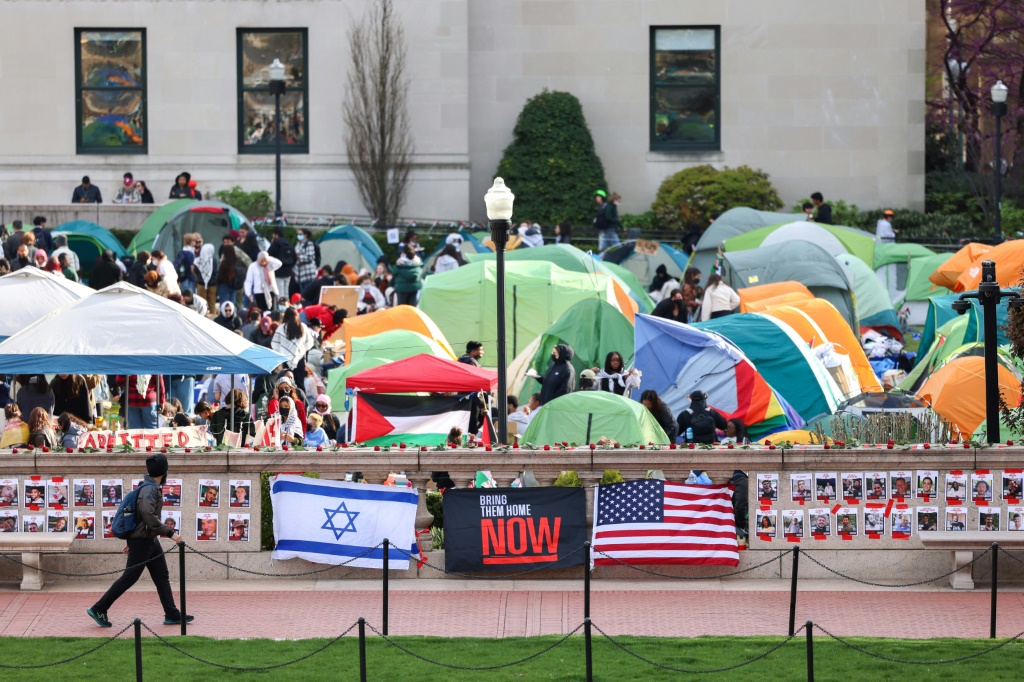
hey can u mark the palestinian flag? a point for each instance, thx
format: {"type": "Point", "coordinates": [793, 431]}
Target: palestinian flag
{"type": "Point", "coordinates": [382, 419]}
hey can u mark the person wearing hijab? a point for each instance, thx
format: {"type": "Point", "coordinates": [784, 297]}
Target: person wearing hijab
{"type": "Point", "coordinates": [39, 258]}
{"type": "Point", "coordinates": [332, 427]}
{"type": "Point", "coordinates": [560, 377]}
{"type": "Point", "coordinates": [260, 282]}
{"type": "Point", "coordinates": [205, 270]}
{"type": "Point", "coordinates": [661, 276]}
{"type": "Point", "coordinates": [106, 271]}
{"type": "Point", "coordinates": [228, 317]}
{"type": "Point", "coordinates": [291, 425]}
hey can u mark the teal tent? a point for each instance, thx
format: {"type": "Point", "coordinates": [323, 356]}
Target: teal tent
{"type": "Point", "coordinates": [88, 240]}
{"type": "Point", "coordinates": [940, 311]}
{"type": "Point", "coordinates": [350, 244]}
{"type": "Point", "coordinates": [587, 416]}
{"type": "Point", "coordinates": [734, 222]}
{"type": "Point", "coordinates": [874, 309]}
{"type": "Point", "coordinates": [166, 226]}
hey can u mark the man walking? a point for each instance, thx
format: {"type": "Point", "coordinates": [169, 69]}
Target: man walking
{"type": "Point", "coordinates": [824, 215]}
{"type": "Point", "coordinates": [282, 250]}
{"type": "Point", "coordinates": [144, 549]}
{"type": "Point", "coordinates": [606, 222]}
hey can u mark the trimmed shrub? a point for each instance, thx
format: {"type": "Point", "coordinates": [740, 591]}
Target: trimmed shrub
{"type": "Point", "coordinates": [551, 165]}
{"type": "Point", "coordinates": [252, 204]}
{"type": "Point", "coordinates": [568, 479]}
{"type": "Point", "coordinates": [694, 194]}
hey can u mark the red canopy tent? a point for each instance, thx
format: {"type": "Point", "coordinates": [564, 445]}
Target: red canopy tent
{"type": "Point", "coordinates": [423, 374]}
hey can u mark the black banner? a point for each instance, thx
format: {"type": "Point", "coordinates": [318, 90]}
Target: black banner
{"type": "Point", "coordinates": [501, 529]}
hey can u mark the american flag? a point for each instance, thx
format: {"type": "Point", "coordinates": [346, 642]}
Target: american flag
{"type": "Point", "coordinates": [660, 522]}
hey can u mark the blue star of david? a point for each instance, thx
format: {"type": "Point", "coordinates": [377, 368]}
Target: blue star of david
{"type": "Point", "coordinates": [349, 523]}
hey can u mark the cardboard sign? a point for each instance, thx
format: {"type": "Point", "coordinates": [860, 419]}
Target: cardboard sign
{"type": "Point", "coordinates": [343, 298]}
{"type": "Point", "coordinates": [181, 437]}
{"type": "Point", "coordinates": [646, 247]}
{"type": "Point", "coordinates": [497, 529]}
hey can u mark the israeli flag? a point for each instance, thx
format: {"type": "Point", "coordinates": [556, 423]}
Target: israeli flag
{"type": "Point", "coordinates": [330, 522]}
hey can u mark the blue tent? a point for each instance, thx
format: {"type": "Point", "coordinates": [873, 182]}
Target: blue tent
{"type": "Point", "coordinates": [940, 311]}
{"type": "Point", "coordinates": [350, 244]}
{"type": "Point", "coordinates": [643, 265]}
{"type": "Point", "coordinates": [159, 337]}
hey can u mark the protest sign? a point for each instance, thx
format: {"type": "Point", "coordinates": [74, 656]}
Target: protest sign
{"type": "Point", "coordinates": [181, 437]}
{"type": "Point", "coordinates": [498, 529]}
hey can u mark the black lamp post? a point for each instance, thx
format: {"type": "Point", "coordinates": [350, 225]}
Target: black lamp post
{"type": "Point", "coordinates": [499, 200]}
{"type": "Point", "coordinates": [999, 93]}
{"type": "Point", "coordinates": [989, 294]}
{"type": "Point", "coordinates": [277, 89]}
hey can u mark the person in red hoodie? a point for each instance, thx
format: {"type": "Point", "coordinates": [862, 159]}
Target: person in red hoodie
{"type": "Point", "coordinates": [331, 317]}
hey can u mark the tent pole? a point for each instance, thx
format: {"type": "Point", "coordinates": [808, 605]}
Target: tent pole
{"type": "Point", "coordinates": [232, 401]}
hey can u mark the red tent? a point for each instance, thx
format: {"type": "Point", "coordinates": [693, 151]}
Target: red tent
{"type": "Point", "coordinates": [423, 373]}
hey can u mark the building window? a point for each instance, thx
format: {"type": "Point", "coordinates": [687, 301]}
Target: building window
{"type": "Point", "coordinates": [257, 48]}
{"type": "Point", "coordinates": [685, 88]}
{"type": "Point", "coordinates": [110, 91]}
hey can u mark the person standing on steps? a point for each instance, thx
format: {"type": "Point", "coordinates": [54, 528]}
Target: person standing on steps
{"type": "Point", "coordinates": [143, 546]}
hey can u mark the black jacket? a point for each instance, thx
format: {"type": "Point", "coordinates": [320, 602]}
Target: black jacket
{"type": "Point", "coordinates": [148, 512]}
{"type": "Point", "coordinates": [105, 273]}
{"type": "Point", "coordinates": [560, 377]}
{"type": "Point", "coordinates": [220, 421]}
{"type": "Point", "coordinates": [250, 246]}
{"type": "Point", "coordinates": [137, 274]}
{"type": "Point", "coordinates": [665, 420]}
{"type": "Point", "coordinates": [665, 310]}
{"type": "Point", "coordinates": [686, 417]}
{"type": "Point", "coordinates": [823, 215]}
{"type": "Point", "coordinates": [277, 247]}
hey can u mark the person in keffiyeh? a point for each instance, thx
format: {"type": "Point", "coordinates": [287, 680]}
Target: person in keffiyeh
{"type": "Point", "coordinates": [260, 283]}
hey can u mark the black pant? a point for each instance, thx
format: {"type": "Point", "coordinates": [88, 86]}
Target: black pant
{"type": "Point", "coordinates": [139, 551]}
{"type": "Point", "coordinates": [720, 313]}
{"type": "Point", "coordinates": [405, 297]}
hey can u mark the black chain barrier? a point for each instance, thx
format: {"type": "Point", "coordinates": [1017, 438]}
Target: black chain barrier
{"type": "Point", "coordinates": [73, 658]}
{"type": "Point", "coordinates": [261, 668]}
{"type": "Point", "coordinates": [453, 666]}
{"type": "Point", "coordinates": [1015, 558]}
{"type": "Point", "coordinates": [755, 659]}
{"type": "Point", "coordinates": [282, 575]}
{"type": "Point", "coordinates": [694, 577]}
{"type": "Point", "coordinates": [504, 576]}
{"type": "Point", "coordinates": [82, 575]}
{"type": "Point", "coordinates": [942, 661]}
{"type": "Point", "coordinates": [914, 584]}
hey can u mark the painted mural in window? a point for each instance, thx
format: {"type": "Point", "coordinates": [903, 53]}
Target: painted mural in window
{"type": "Point", "coordinates": [257, 125]}
{"type": "Point", "coordinates": [685, 88]}
{"type": "Point", "coordinates": [110, 78]}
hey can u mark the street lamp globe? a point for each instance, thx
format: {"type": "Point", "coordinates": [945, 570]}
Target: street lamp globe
{"type": "Point", "coordinates": [499, 200]}
{"type": "Point", "coordinates": [999, 93]}
{"type": "Point", "coordinates": [276, 71]}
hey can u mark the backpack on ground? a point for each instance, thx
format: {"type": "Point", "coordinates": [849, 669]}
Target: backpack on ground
{"type": "Point", "coordinates": [125, 521]}
{"type": "Point", "coordinates": [703, 425]}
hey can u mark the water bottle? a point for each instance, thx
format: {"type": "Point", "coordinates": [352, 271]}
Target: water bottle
{"type": "Point", "coordinates": [689, 434]}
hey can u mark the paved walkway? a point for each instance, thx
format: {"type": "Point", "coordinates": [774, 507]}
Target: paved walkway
{"type": "Point", "coordinates": [296, 609]}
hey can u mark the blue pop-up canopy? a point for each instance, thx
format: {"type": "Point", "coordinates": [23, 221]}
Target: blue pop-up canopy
{"type": "Point", "coordinates": [125, 330]}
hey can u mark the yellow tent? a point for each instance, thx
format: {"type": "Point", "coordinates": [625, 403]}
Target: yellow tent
{"type": "Point", "coordinates": [400, 317]}
{"type": "Point", "coordinates": [797, 437]}
{"type": "Point", "coordinates": [947, 274]}
{"type": "Point", "coordinates": [956, 391]}
{"type": "Point", "coordinates": [756, 299]}
{"type": "Point", "coordinates": [817, 321]}
{"type": "Point", "coordinates": [1009, 260]}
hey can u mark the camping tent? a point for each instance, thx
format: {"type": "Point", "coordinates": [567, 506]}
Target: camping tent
{"type": "Point", "coordinates": [947, 274]}
{"type": "Point", "coordinates": [836, 239]}
{"type": "Point", "coordinates": [874, 308]}
{"type": "Point", "coordinates": [536, 295]}
{"type": "Point", "coordinates": [31, 293]}
{"type": "Point", "coordinates": [940, 311]}
{"type": "Point", "coordinates": [783, 359]}
{"type": "Point", "coordinates": [395, 344]}
{"type": "Point", "coordinates": [400, 317]}
{"type": "Point", "coordinates": [919, 288]}
{"type": "Point", "coordinates": [1009, 260]}
{"type": "Point", "coordinates": [470, 245]}
{"type": "Point", "coordinates": [797, 261]}
{"type": "Point", "coordinates": [956, 391]}
{"type": "Point", "coordinates": [949, 338]}
{"type": "Point", "coordinates": [755, 299]}
{"type": "Point", "coordinates": [735, 221]}
{"type": "Point", "coordinates": [892, 266]}
{"type": "Point", "coordinates": [88, 240]}
{"type": "Point", "coordinates": [166, 226]}
{"type": "Point", "coordinates": [588, 416]}
{"type": "Point", "coordinates": [350, 244]}
{"type": "Point", "coordinates": [592, 329]}
{"type": "Point", "coordinates": [125, 330]}
{"type": "Point", "coordinates": [644, 265]}
{"type": "Point", "coordinates": [570, 258]}
{"type": "Point", "coordinates": [677, 359]}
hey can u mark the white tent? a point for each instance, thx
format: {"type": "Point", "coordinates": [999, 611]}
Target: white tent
{"type": "Point", "coordinates": [125, 330]}
{"type": "Point", "coordinates": [31, 293]}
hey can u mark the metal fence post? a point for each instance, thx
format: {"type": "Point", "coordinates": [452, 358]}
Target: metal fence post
{"type": "Point", "coordinates": [181, 586]}
{"type": "Point", "coordinates": [588, 650]}
{"type": "Point", "coordinates": [792, 590]}
{"type": "Point", "coordinates": [138, 650]}
{"type": "Point", "coordinates": [810, 651]}
{"type": "Point", "coordinates": [385, 618]}
{"type": "Point", "coordinates": [586, 579]}
{"type": "Point", "coordinates": [995, 588]}
{"type": "Point", "coordinates": [362, 649]}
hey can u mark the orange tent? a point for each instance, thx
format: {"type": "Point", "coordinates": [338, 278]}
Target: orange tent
{"type": "Point", "coordinates": [817, 321]}
{"type": "Point", "coordinates": [400, 317]}
{"type": "Point", "coordinates": [946, 274]}
{"type": "Point", "coordinates": [1009, 260]}
{"type": "Point", "coordinates": [755, 299]}
{"type": "Point", "coordinates": [956, 391]}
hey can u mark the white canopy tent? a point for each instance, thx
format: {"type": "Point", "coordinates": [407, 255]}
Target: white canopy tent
{"type": "Point", "coordinates": [31, 293]}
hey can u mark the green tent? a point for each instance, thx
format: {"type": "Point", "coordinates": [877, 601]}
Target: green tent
{"type": "Point", "coordinates": [783, 359]}
{"type": "Point", "coordinates": [592, 329]}
{"type": "Point", "coordinates": [918, 286]}
{"type": "Point", "coordinates": [88, 240]}
{"type": "Point", "coordinates": [636, 290]}
{"type": "Point", "coordinates": [940, 311]}
{"type": "Point", "coordinates": [734, 222]}
{"type": "Point", "coordinates": [892, 252]}
{"type": "Point", "coordinates": [796, 261]}
{"type": "Point", "coordinates": [570, 258]}
{"type": "Point", "coordinates": [166, 226]}
{"type": "Point", "coordinates": [537, 294]}
{"type": "Point", "coordinates": [835, 239]}
{"type": "Point", "coordinates": [587, 416]}
{"type": "Point", "coordinates": [874, 309]}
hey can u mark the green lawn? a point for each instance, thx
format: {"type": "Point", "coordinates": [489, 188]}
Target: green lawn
{"type": "Point", "coordinates": [341, 661]}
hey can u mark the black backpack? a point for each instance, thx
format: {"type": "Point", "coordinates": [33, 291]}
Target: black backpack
{"type": "Point", "coordinates": [124, 522]}
{"type": "Point", "coordinates": [183, 270]}
{"type": "Point", "coordinates": [703, 425]}
{"type": "Point", "coordinates": [287, 254]}
{"type": "Point", "coordinates": [316, 254]}
{"type": "Point", "coordinates": [239, 281]}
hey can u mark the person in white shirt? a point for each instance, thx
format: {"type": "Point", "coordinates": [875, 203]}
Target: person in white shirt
{"type": "Point", "coordinates": [220, 387]}
{"type": "Point", "coordinates": [61, 241]}
{"type": "Point", "coordinates": [260, 282]}
{"type": "Point", "coordinates": [525, 414]}
{"type": "Point", "coordinates": [370, 298]}
{"type": "Point", "coordinates": [166, 270]}
{"type": "Point", "coordinates": [449, 259]}
{"type": "Point", "coordinates": [531, 234]}
{"type": "Point", "coordinates": [719, 299]}
{"type": "Point", "coordinates": [883, 228]}
{"type": "Point", "coordinates": [292, 339]}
